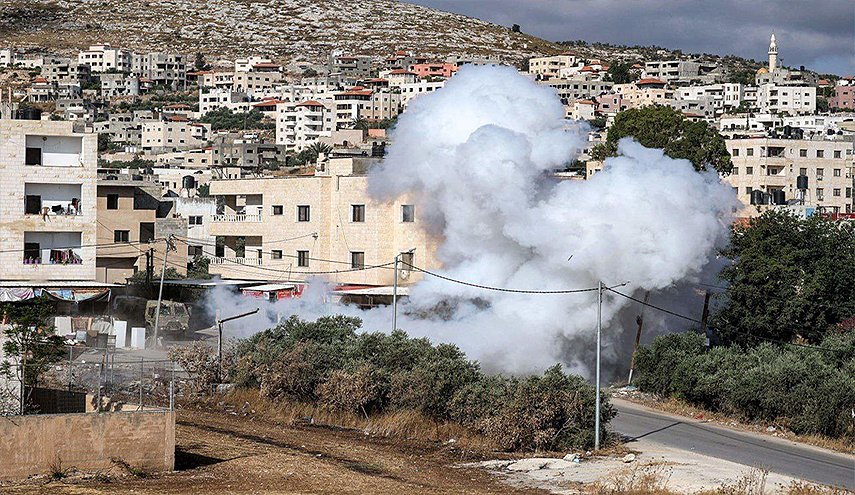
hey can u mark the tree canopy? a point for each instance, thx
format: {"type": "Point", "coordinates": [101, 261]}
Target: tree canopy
{"type": "Point", "coordinates": [664, 127]}
{"type": "Point", "coordinates": [790, 278]}
{"type": "Point", "coordinates": [620, 73]}
{"type": "Point", "coordinates": [223, 118]}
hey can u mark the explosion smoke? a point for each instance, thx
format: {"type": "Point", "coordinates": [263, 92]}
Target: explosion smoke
{"type": "Point", "coordinates": [476, 157]}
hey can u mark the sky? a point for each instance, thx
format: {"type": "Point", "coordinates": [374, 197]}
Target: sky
{"type": "Point", "coordinates": [819, 34]}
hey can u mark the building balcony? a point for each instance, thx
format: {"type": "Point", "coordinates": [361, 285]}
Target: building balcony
{"type": "Point", "coordinates": [237, 218]}
{"type": "Point", "coordinates": [223, 260]}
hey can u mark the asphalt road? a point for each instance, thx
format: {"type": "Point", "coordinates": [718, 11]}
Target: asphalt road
{"type": "Point", "coordinates": [751, 449]}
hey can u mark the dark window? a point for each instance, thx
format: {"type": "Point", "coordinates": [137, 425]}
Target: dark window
{"type": "Point", "coordinates": [357, 259]}
{"type": "Point", "coordinates": [112, 201]}
{"type": "Point", "coordinates": [33, 156]}
{"type": "Point", "coordinates": [408, 213]}
{"type": "Point", "coordinates": [276, 254]}
{"type": "Point", "coordinates": [820, 153]}
{"type": "Point", "coordinates": [749, 170]}
{"type": "Point", "coordinates": [195, 219]}
{"type": "Point", "coordinates": [33, 205]}
{"type": "Point", "coordinates": [837, 154]}
{"type": "Point", "coordinates": [802, 171]}
{"type": "Point", "coordinates": [303, 213]}
{"type": "Point", "coordinates": [146, 231]}
{"type": "Point", "coordinates": [802, 152]}
{"type": "Point", "coordinates": [32, 251]}
{"type": "Point", "coordinates": [121, 235]}
{"type": "Point", "coordinates": [749, 152]}
{"type": "Point", "coordinates": [407, 260]}
{"type": "Point", "coordinates": [278, 209]}
{"type": "Point", "coordinates": [302, 258]}
{"type": "Point", "coordinates": [194, 251]}
{"type": "Point", "coordinates": [358, 213]}
{"type": "Point", "coordinates": [735, 152]}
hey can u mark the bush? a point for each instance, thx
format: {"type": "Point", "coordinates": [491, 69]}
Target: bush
{"type": "Point", "coordinates": [328, 363]}
{"type": "Point", "coordinates": [809, 390]}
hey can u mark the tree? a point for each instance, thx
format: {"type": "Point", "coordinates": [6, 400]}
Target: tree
{"type": "Point", "coordinates": [200, 63]}
{"type": "Point", "coordinates": [516, 28]}
{"type": "Point", "coordinates": [821, 104]}
{"type": "Point", "coordinates": [224, 118]}
{"type": "Point", "coordinates": [103, 142]}
{"type": "Point", "coordinates": [316, 149]}
{"type": "Point", "coordinates": [620, 73]}
{"type": "Point", "coordinates": [30, 343]}
{"type": "Point", "coordinates": [664, 127]}
{"type": "Point", "coordinates": [790, 278]}
{"type": "Point", "coordinates": [310, 72]}
{"type": "Point", "coordinates": [745, 77]}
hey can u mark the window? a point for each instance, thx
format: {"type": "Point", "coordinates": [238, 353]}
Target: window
{"type": "Point", "coordinates": [195, 219]}
{"type": "Point", "coordinates": [749, 170]}
{"type": "Point", "coordinates": [121, 235]}
{"type": "Point", "coordinates": [748, 190]}
{"type": "Point", "coordinates": [749, 152]}
{"type": "Point", "coordinates": [820, 153]}
{"type": "Point", "coordinates": [278, 209]}
{"type": "Point", "coordinates": [819, 193]}
{"type": "Point", "coordinates": [194, 251]}
{"type": "Point", "coordinates": [303, 213]}
{"type": "Point", "coordinates": [303, 258]}
{"type": "Point", "coordinates": [32, 251]}
{"type": "Point", "coordinates": [802, 171]}
{"type": "Point", "coordinates": [358, 213]}
{"type": "Point", "coordinates": [803, 152]}
{"type": "Point", "coordinates": [837, 154]}
{"type": "Point", "coordinates": [408, 213]}
{"type": "Point", "coordinates": [835, 192]}
{"type": "Point", "coordinates": [357, 259]}
{"type": "Point", "coordinates": [848, 192]}
{"type": "Point", "coordinates": [735, 170]}
{"type": "Point", "coordinates": [820, 172]}
{"type": "Point", "coordinates": [112, 201]}
{"type": "Point", "coordinates": [276, 254]}
{"type": "Point", "coordinates": [836, 172]}
{"type": "Point", "coordinates": [32, 204]}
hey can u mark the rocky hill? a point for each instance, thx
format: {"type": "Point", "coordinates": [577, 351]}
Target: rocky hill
{"type": "Point", "coordinates": [284, 29]}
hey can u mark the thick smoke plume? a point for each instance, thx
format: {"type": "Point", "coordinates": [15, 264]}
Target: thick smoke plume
{"type": "Point", "coordinates": [476, 155]}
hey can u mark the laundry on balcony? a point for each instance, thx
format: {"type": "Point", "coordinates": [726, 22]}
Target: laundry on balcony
{"type": "Point", "coordinates": [64, 257]}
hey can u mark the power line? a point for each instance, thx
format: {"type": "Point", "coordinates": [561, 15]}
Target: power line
{"type": "Point", "coordinates": [112, 244]}
{"type": "Point", "coordinates": [694, 320]}
{"type": "Point", "coordinates": [501, 289]}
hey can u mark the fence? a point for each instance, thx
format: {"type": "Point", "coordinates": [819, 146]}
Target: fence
{"type": "Point", "coordinates": [109, 382]}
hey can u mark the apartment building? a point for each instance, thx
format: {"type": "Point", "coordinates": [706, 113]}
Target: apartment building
{"type": "Point", "coordinates": [358, 67]}
{"type": "Point", "coordinates": [767, 165]}
{"type": "Point", "coordinates": [283, 228]}
{"type": "Point", "coordinates": [844, 98]}
{"type": "Point", "coordinates": [644, 92]}
{"type": "Point", "coordinates": [360, 103]}
{"type": "Point", "coordinates": [105, 58]}
{"type": "Point", "coordinates": [550, 67]}
{"type": "Point", "coordinates": [47, 206]}
{"type": "Point", "coordinates": [436, 69]}
{"type": "Point", "coordinates": [119, 84]}
{"type": "Point", "coordinates": [62, 70]}
{"type": "Point", "coordinates": [679, 72]}
{"type": "Point", "coordinates": [131, 221]}
{"type": "Point", "coordinates": [299, 125]}
{"type": "Point", "coordinates": [720, 96]}
{"type": "Point", "coordinates": [213, 98]}
{"type": "Point", "coordinates": [173, 134]}
{"type": "Point", "coordinates": [793, 100]}
{"type": "Point", "coordinates": [163, 69]}
{"type": "Point", "coordinates": [218, 80]}
{"type": "Point", "coordinates": [577, 88]}
{"type": "Point", "coordinates": [247, 64]}
{"type": "Point", "coordinates": [256, 83]}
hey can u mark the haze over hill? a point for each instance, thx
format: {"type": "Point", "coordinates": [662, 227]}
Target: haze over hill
{"type": "Point", "coordinates": [284, 29]}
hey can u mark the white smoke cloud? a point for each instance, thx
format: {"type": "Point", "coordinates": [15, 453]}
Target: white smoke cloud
{"type": "Point", "coordinates": [476, 157]}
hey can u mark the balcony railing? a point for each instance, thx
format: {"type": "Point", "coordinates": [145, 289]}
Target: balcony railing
{"type": "Point", "coordinates": [222, 260]}
{"type": "Point", "coordinates": [236, 218]}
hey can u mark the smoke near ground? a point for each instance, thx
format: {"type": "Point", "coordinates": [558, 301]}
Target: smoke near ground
{"type": "Point", "coordinates": [476, 155]}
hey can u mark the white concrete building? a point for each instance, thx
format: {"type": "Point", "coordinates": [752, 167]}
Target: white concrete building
{"type": "Point", "coordinates": [174, 134]}
{"type": "Point", "coordinates": [103, 58]}
{"type": "Point", "coordinates": [793, 100]}
{"type": "Point", "coordinates": [48, 206]}
{"type": "Point", "coordinates": [299, 125]}
{"type": "Point", "coordinates": [550, 67]}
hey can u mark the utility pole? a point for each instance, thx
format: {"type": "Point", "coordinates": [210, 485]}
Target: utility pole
{"type": "Point", "coordinates": [599, 333]}
{"type": "Point", "coordinates": [640, 321]}
{"type": "Point", "coordinates": [149, 266]}
{"type": "Point", "coordinates": [395, 289]}
{"type": "Point", "coordinates": [167, 247]}
{"type": "Point", "coordinates": [706, 313]}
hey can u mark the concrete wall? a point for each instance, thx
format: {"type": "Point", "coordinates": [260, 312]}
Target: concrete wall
{"type": "Point", "coordinates": [86, 441]}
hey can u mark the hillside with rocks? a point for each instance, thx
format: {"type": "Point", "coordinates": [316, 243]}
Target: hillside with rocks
{"type": "Point", "coordinates": [284, 29]}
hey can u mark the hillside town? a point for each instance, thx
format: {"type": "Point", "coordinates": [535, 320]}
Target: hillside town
{"type": "Point", "coordinates": [134, 182]}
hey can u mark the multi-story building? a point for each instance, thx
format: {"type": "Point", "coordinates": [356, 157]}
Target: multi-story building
{"type": "Point", "coordinates": [299, 125]}
{"type": "Point", "coordinates": [61, 70]}
{"type": "Point", "coordinates": [550, 67]}
{"type": "Point", "coordinates": [644, 92]}
{"type": "Point", "coordinates": [173, 134]}
{"type": "Point", "coordinates": [767, 165]}
{"type": "Point", "coordinates": [721, 96]}
{"type": "Point", "coordinates": [360, 103]}
{"type": "Point", "coordinates": [412, 90]}
{"type": "Point", "coordinates": [211, 99]}
{"type": "Point", "coordinates": [119, 84]}
{"type": "Point", "coordinates": [256, 83]}
{"type": "Point", "coordinates": [287, 228]}
{"type": "Point", "coordinates": [247, 64]}
{"type": "Point", "coordinates": [436, 69]}
{"type": "Point", "coordinates": [790, 99]}
{"type": "Point", "coordinates": [164, 69]}
{"type": "Point", "coordinates": [130, 222]}
{"type": "Point", "coordinates": [105, 58]}
{"type": "Point", "coordinates": [680, 72]}
{"type": "Point", "coordinates": [47, 206]}
{"type": "Point", "coordinates": [844, 98]}
{"type": "Point", "coordinates": [358, 67]}
{"type": "Point", "coordinates": [577, 88]}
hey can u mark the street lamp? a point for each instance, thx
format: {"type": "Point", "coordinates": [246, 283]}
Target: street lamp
{"type": "Point", "coordinates": [395, 289]}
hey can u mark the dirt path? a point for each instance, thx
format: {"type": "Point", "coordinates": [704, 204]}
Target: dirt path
{"type": "Point", "coordinates": [225, 454]}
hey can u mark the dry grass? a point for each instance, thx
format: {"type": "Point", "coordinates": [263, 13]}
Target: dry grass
{"type": "Point", "coordinates": [405, 425]}
{"type": "Point", "coordinates": [682, 408]}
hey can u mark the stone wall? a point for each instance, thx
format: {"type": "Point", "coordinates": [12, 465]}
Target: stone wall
{"type": "Point", "coordinates": [86, 441]}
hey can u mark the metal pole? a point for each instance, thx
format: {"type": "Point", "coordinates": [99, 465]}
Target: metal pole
{"type": "Point", "coordinates": [599, 332]}
{"type": "Point", "coordinates": [142, 370]}
{"type": "Point", "coordinates": [219, 351]}
{"type": "Point", "coordinates": [640, 322]}
{"type": "Point", "coordinates": [395, 296]}
{"type": "Point", "coordinates": [167, 243]}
